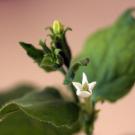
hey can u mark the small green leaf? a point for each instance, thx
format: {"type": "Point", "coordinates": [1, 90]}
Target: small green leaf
{"type": "Point", "coordinates": [72, 71]}
{"type": "Point", "coordinates": [46, 106]}
{"type": "Point", "coordinates": [34, 53]}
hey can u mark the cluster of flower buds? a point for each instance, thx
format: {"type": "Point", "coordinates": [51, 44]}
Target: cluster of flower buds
{"type": "Point", "coordinates": [54, 57]}
{"type": "Point", "coordinates": [58, 36]}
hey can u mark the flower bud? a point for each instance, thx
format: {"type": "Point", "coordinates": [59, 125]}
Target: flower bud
{"type": "Point", "coordinates": [57, 27]}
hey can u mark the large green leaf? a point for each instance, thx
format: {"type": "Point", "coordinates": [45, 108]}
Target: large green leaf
{"type": "Point", "coordinates": [112, 54]}
{"type": "Point", "coordinates": [21, 124]}
{"type": "Point", "coordinates": [11, 116]}
{"type": "Point", "coordinates": [46, 106]}
{"type": "Point", "coordinates": [15, 92]}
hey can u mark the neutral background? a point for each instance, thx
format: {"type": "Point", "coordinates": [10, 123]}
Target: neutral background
{"type": "Point", "coordinates": [25, 20]}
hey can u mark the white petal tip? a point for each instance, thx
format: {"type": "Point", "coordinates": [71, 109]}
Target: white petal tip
{"type": "Point", "coordinates": [92, 85]}
{"type": "Point", "coordinates": [77, 85]}
{"type": "Point", "coordinates": [84, 78]}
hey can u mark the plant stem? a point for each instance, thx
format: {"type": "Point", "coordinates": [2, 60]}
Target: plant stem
{"type": "Point", "coordinates": [62, 70]}
{"type": "Point", "coordinates": [89, 118]}
{"type": "Point", "coordinates": [73, 92]}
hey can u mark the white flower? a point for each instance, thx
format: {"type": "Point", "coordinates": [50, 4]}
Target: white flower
{"type": "Point", "coordinates": [84, 90]}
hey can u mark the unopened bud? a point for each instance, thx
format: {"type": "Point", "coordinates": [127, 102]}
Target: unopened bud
{"type": "Point", "coordinates": [57, 27]}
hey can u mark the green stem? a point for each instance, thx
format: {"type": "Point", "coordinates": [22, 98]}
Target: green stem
{"type": "Point", "coordinates": [89, 118]}
{"type": "Point", "coordinates": [73, 92]}
{"type": "Point", "coordinates": [89, 131]}
{"type": "Point", "coordinates": [62, 70]}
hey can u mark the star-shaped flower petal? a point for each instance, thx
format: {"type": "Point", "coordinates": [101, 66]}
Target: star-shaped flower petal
{"type": "Point", "coordinates": [84, 90]}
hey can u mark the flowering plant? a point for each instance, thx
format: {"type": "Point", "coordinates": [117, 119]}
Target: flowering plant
{"type": "Point", "coordinates": [107, 61]}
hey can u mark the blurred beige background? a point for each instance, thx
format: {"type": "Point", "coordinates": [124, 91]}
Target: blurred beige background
{"type": "Point", "coordinates": [25, 20]}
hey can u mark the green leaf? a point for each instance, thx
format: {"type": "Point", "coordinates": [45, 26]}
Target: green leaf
{"type": "Point", "coordinates": [46, 106]}
{"type": "Point", "coordinates": [9, 124]}
{"type": "Point", "coordinates": [72, 71]}
{"type": "Point", "coordinates": [34, 53]}
{"type": "Point", "coordinates": [112, 54]}
{"type": "Point", "coordinates": [15, 92]}
{"type": "Point", "coordinates": [21, 124]}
